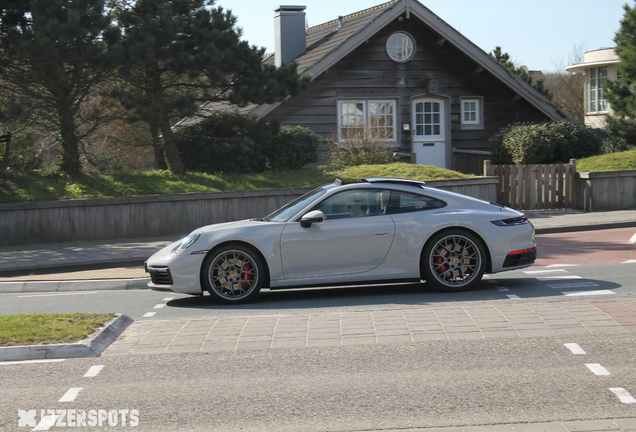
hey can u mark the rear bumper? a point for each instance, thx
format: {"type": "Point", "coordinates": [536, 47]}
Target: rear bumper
{"type": "Point", "coordinates": [520, 259]}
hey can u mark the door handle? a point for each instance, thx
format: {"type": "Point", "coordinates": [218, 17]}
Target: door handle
{"type": "Point", "coordinates": [379, 233]}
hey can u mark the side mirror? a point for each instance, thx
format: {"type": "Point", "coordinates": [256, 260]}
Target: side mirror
{"type": "Point", "coordinates": [315, 216]}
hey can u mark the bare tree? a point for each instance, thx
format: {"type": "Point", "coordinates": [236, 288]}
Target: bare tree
{"type": "Point", "coordinates": [568, 88]}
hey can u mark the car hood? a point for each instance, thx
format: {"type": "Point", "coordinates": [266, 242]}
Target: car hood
{"type": "Point", "coordinates": [234, 224]}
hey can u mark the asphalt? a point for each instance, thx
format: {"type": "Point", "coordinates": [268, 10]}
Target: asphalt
{"type": "Point", "coordinates": [115, 265]}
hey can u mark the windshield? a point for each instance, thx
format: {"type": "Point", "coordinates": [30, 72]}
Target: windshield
{"type": "Point", "coordinates": [286, 212]}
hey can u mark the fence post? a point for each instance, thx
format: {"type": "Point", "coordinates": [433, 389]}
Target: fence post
{"type": "Point", "coordinates": [487, 168]}
{"type": "Point", "coordinates": [573, 184]}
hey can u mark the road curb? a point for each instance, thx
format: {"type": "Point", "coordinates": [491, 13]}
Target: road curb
{"type": "Point", "coordinates": [92, 346]}
{"type": "Point", "coordinates": [578, 228]}
{"type": "Point", "coordinates": [73, 285]}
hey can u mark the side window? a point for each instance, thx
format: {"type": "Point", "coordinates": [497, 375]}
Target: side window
{"type": "Point", "coordinates": [405, 202]}
{"type": "Point", "coordinates": [355, 203]}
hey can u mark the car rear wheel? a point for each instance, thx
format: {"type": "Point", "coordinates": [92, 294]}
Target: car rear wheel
{"type": "Point", "coordinates": [454, 260]}
{"type": "Point", "coordinates": [233, 274]}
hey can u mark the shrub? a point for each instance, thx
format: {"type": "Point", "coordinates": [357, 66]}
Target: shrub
{"type": "Point", "coordinates": [226, 142]}
{"type": "Point", "coordinates": [545, 143]}
{"type": "Point", "coordinates": [292, 148]}
{"type": "Point", "coordinates": [361, 146]}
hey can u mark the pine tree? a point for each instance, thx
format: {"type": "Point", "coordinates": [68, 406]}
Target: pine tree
{"type": "Point", "coordinates": [179, 53]}
{"type": "Point", "coordinates": [520, 71]}
{"type": "Point", "coordinates": [621, 93]}
{"type": "Point", "coordinates": [54, 53]}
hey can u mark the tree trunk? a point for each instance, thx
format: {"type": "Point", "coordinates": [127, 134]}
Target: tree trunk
{"type": "Point", "coordinates": [70, 145]}
{"type": "Point", "coordinates": [160, 157]}
{"type": "Point", "coordinates": [170, 148]}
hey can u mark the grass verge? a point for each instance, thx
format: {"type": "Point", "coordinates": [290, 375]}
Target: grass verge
{"type": "Point", "coordinates": [619, 161]}
{"type": "Point", "coordinates": [51, 186]}
{"type": "Point", "coordinates": [45, 329]}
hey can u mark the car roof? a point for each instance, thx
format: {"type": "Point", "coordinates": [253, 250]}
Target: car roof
{"type": "Point", "coordinates": [390, 180]}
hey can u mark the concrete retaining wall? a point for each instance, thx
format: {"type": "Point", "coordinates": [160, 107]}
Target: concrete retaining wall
{"type": "Point", "coordinates": [161, 215]}
{"type": "Point", "coordinates": [606, 190]}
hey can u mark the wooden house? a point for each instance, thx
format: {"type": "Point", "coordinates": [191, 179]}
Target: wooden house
{"type": "Point", "coordinates": [431, 93]}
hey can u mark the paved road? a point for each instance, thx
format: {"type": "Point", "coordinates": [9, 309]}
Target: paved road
{"type": "Point", "coordinates": [389, 357]}
{"type": "Point", "coordinates": [368, 387]}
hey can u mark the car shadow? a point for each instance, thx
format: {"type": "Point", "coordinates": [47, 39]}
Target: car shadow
{"type": "Point", "coordinates": [405, 295]}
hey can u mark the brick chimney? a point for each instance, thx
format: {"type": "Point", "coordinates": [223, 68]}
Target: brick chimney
{"type": "Point", "coordinates": [291, 36]}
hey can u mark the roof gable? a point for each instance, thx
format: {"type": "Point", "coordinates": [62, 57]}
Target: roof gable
{"type": "Point", "coordinates": [330, 42]}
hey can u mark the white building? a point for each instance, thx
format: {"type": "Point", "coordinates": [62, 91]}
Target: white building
{"type": "Point", "coordinates": [598, 66]}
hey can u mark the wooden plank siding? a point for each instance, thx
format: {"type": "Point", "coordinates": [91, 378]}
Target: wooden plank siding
{"type": "Point", "coordinates": [368, 73]}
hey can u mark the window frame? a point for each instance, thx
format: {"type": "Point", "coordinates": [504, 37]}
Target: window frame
{"type": "Point", "coordinates": [408, 37]}
{"type": "Point", "coordinates": [595, 95]}
{"type": "Point", "coordinates": [366, 116]}
{"type": "Point", "coordinates": [478, 123]}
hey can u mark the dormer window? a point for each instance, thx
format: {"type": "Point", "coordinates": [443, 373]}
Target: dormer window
{"type": "Point", "coordinates": [400, 47]}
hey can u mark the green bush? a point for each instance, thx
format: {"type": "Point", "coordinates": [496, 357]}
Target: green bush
{"type": "Point", "coordinates": [545, 143]}
{"type": "Point", "coordinates": [235, 143]}
{"type": "Point", "coordinates": [293, 148]}
{"type": "Point", "coordinates": [363, 146]}
{"type": "Point", "coordinates": [226, 142]}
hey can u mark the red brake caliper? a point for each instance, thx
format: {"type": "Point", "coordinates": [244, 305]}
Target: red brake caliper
{"type": "Point", "coordinates": [442, 269]}
{"type": "Point", "coordinates": [246, 276]}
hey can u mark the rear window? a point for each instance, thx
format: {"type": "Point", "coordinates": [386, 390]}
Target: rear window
{"type": "Point", "coordinates": [406, 202]}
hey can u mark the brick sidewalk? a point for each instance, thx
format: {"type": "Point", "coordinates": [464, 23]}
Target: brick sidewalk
{"type": "Point", "coordinates": [377, 327]}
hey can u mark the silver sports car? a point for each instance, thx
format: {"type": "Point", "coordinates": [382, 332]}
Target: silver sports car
{"type": "Point", "coordinates": [377, 231]}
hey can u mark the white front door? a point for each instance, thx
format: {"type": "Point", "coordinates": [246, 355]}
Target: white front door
{"type": "Point", "coordinates": [429, 132]}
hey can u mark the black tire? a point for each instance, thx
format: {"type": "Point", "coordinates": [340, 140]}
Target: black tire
{"type": "Point", "coordinates": [453, 260]}
{"type": "Point", "coordinates": [233, 274]}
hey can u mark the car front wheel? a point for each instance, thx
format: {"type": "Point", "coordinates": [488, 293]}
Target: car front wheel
{"type": "Point", "coordinates": [454, 260]}
{"type": "Point", "coordinates": [233, 274]}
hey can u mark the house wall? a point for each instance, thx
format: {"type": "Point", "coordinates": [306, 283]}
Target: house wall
{"type": "Point", "coordinates": [368, 72]}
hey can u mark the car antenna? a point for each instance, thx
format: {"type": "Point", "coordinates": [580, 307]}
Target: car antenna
{"type": "Point", "coordinates": [338, 182]}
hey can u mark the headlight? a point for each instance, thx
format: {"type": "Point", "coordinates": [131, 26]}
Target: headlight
{"type": "Point", "coordinates": [188, 241]}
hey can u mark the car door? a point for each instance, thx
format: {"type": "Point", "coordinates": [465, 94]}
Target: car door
{"type": "Point", "coordinates": [355, 236]}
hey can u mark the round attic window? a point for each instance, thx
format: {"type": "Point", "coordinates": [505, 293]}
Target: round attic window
{"type": "Point", "coordinates": [400, 47]}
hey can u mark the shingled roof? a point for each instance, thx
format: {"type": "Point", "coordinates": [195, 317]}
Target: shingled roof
{"type": "Point", "coordinates": [329, 42]}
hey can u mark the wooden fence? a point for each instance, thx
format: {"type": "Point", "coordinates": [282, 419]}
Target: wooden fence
{"type": "Point", "coordinates": [535, 187]}
{"type": "Point", "coordinates": [469, 161]}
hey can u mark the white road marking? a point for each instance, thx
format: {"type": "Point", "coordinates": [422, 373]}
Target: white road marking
{"type": "Point", "coordinates": [575, 348]}
{"type": "Point", "coordinates": [587, 293]}
{"type": "Point", "coordinates": [513, 297]}
{"type": "Point", "coordinates": [502, 289]}
{"type": "Point", "coordinates": [573, 285]}
{"type": "Point", "coordinates": [71, 394]}
{"type": "Point", "coordinates": [557, 278]}
{"type": "Point", "coordinates": [168, 299]}
{"type": "Point", "coordinates": [159, 306]}
{"type": "Point", "coordinates": [632, 240]}
{"type": "Point", "coordinates": [623, 395]}
{"type": "Point", "coordinates": [562, 265]}
{"type": "Point", "coordinates": [47, 422]}
{"type": "Point", "coordinates": [93, 371]}
{"type": "Point", "coordinates": [149, 314]}
{"type": "Point", "coordinates": [58, 294]}
{"type": "Point", "coordinates": [494, 282]}
{"type": "Point", "coordinates": [529, 272]}
{"type": "Point", "coordinates": [631, 261]}
{"type": "Point", "coordinates": [597, 369]}
{"type": "Point", "coordinates": [31, 361]}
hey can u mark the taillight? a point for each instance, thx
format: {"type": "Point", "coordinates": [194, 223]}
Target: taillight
{"type": "Point", "coordinates": [521, 220]}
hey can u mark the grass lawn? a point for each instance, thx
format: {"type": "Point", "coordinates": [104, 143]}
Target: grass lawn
{"type": "Point", "coordinates": [44, 329]}
{"type": "Point", "coordinates": [620, 161]}
{"type": "Point", "coordinates": [43, 186]}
